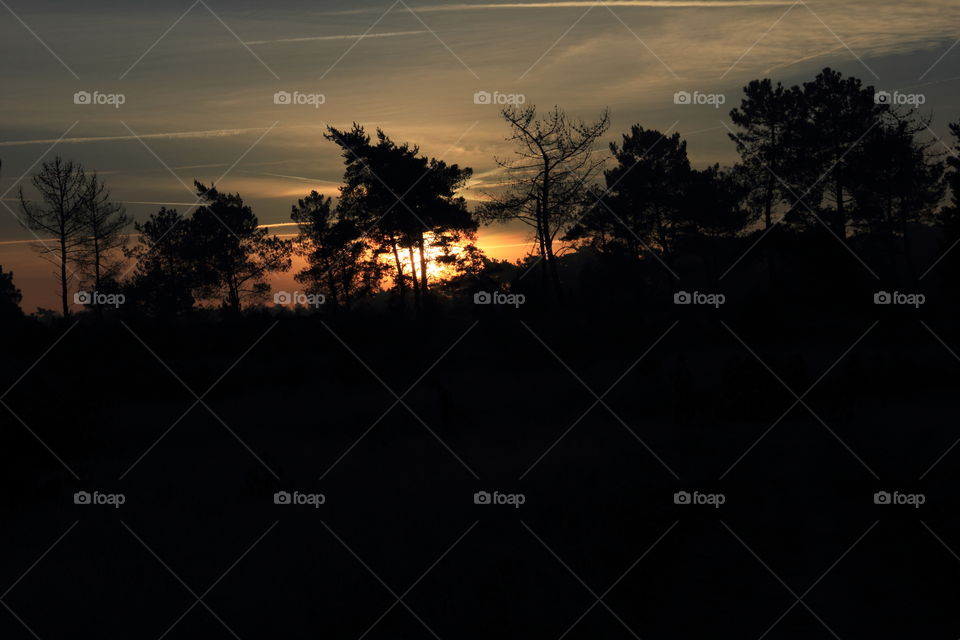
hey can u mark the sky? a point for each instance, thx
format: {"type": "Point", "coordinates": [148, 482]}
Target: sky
{"type": "Point", "coordinates": [198, 82]}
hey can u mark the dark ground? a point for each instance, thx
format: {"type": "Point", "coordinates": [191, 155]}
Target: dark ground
{"type": "Point", "coordinates": [798, 550]}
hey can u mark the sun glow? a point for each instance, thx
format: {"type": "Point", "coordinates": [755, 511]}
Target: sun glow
{"type": "Point", "coordinates": [438, 258]}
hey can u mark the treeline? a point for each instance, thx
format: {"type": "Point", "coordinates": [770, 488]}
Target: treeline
{"type": "Point", "coordinates": [827, 157]}
{"type": "Point", "coordinates": [397, 214]}
{"type": "Point", "coordinates": [822, 164]}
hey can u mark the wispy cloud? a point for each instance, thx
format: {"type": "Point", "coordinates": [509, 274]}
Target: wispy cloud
{"type": "Point", "coordinates": [278, 224]}
{"type": "Point", "coordinates": [613, 4]}
{"type": "Point", "coordinates": [175, 135]}
{"type": "Point", "coordinates": [302, 179]}
{"type": "Point", "coordinates": [391, 34]}
{"type": "Point", "coordinates": [34, 241]}
{"type": "Point", "coordinates": [10, 243]}
{"type": "Point", "coordinates": [39, 241]}
{"type": "Point", "coordinates": [158, 203]}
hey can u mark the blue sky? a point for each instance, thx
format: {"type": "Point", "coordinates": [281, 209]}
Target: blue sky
{"type": "Point", "coordinates": [199, 93]}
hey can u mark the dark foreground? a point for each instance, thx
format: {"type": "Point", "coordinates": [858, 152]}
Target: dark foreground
{"type": "Point", "coordinates": [500, 402]}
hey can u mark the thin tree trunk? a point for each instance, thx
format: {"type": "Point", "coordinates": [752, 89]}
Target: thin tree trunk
{"type": "Point", "coordinates": [332, 283]}
{"type": "Point", "coordinates": [345, 282]}
{"type": "Point", "coordinates": [401, 284]}
{"type": "Point", "coordinates": [417, 302]}
{"type": "Point", "coordinates": [768, 205]}
{"type": "Point", "coordinates": [96, 269]}
{"type": "Point", "coordinates": [768, 222]}
{"type": "Point", "coordinates": [911, 271]}
{"type": "Point", "coordinates": [63, 275]}
{"type": "Point", "coordinates": [423, 267]}
{"type": "Point", "coordinates": [233, 291]}
{"type": "Point", "coordinates": [841, 222]}
{"type": "Point", "coordinates": [547, 237]}
{"type": "Point", "coordinates": [542, 246]}
{"type": "Point", "coordinates": [554, 274]}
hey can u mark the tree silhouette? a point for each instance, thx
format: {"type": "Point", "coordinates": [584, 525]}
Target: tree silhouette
{"type": "Point", "coordinates": [825, 155]}
{"type": "Point", "coordinates": [232, 255]}
{"type": "Point", "coordinates": [61, 212]}
{"type": "Point", "coordinates": [716, 202]}
{"type": "Point", "coordinates": [10, 296]}
{"type": "Point", "coordinates": [401, 200]}
{"type": "Point", "coordinates": [655, 201]}
{"type": "Point", "coordinates": [837, 114]}
{"type": "Point", "coordinates": [339, 263]}
{"type": "Point", "coordinates": [643, 205]}
{"type": "Point", "coordinates": [103, 225]}
{"type": "Point", "coordinates": [165, 277]}
{"type": "Point", "coordinates": [367, 208]}
{"type": "Point", "coordinates": [953, 161]}
{"type": "Point", "coordinates": [949, 216]}
{"type": "Point", "coordinates": [448, 220]}
{"type": "Point", "coordinates": [900, 184]}
{"type": "Point", "coordinates": [553, 163]}
{"type": "Point", "coordinates": [767, 117]}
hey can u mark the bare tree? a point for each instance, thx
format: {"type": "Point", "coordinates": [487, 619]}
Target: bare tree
{"type": "Point", "coordinates": [103, 223]}
{"type": "Point", "coordinates": [547, 176]}
{"type": "Point", "coordinates": [60, 212]}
